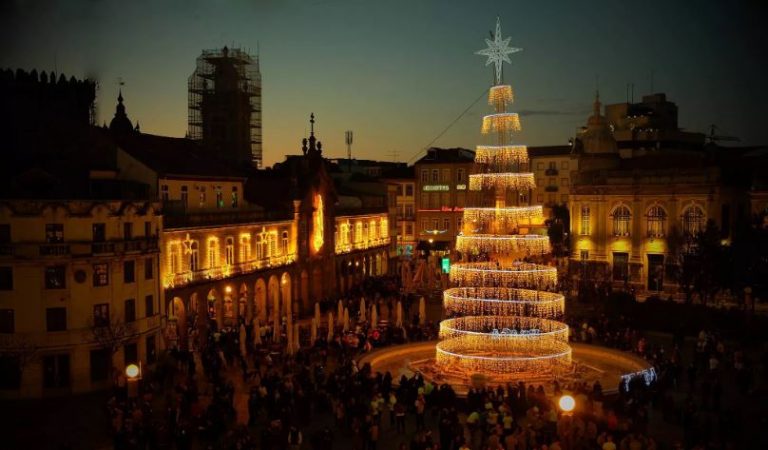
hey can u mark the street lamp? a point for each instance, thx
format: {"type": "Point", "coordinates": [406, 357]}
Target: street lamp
{"type": "Point", "coordinates": [132, 371]}
{"type": "Point", "coordinates": [133, 374]}
{"type": "Point", "coordinates": [567, 404]}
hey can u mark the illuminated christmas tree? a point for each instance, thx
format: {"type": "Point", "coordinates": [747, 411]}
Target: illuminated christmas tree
{"type": "Point", "coordinates": [504, 323]}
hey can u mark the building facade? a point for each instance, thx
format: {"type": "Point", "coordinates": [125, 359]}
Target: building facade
{"type": "Point", "coordinates": [442, 181]}
{"type": "Point", "coordinates": [80, 294]}
{"type": "Point", "coordinates": [553, 168]}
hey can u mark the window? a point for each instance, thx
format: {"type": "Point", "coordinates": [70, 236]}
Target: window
{"type": "Point", "coordinates": [284, 244]}
{"type": "Point", "coordinates": [147, 229]}
{"type": "Point", "coordinates": [174, 257]}
{"type": "Point", "coordinates": [202, 196]}
{"type": "Point", "coordinates": [656, 221]}
{"type": "Point", "coordinates": [219, 197]}
{"type": "Point", "coordinates": [55, 277]}
{"type": "Point", "coordinates": [424, 224]}
{"type": "Point", "coordinates": [424, 201]}
{"type": "Point", "coordinates": [56, 371]}
{"type": "Point", "coordinates": [408, 210]}
{"type": "Point", "coordinates": [446, 224]}
{"type": "Point", "coordinates": [435, 224]}
{"type": "Point", "coordinates": [229, 251]}
{"type": "Point", "coordinates": [10, 375]}
{"type": "Point", "coordinates": [130, 354]}
{"type": "Point", "coordinates": [129, 271]}
{"type": "Point", "coordinates": [127, 231]}
{"type": "Point", "coordinates": [164, 193]}
{"type": "Point", "coordinates": [149, 306]}
{"type": "Point", "coordinates": [460, 176]}
{"type": "Point", "coordinates": [425, 176]}
{"type": "Point", "coordinates": [151, 350]}
{"type": "Point", "coordinates": [101, 364]}
{"type": "Point", "coordinates": [56, 319]}
{"type": "Point", "coordinates": [585, 217]}
{"type": "Point", "coordinates": [130, 310]}
{"type": "Point", "coordinates": [584, 255]}
{"type": "Point", "coordinates": [100, 274]}
{"type": "Point", "coordinates": [399, 190]}
{"type": "Point", "coordinates": [621, 217]}
{"type": "Point", "coordinates": [260, 253]}
{"type": "Point", "coordinates": [6, 321]}
{"type": "Point", "coordinates": [234, 197]}
{"type": "Point", "coordinates": [620, 266]}
{"type": "Point", "coordinates": [553, 165]}
{"type": "Point", "coordinates": [245, 247]}
{"type": "Point", "coordinates": [149, 268]}
{"type": "Point", "coordinates": [409, 190]}
{"type": "Point", "coordinates": [184, 196]}
{"type": "Point", "coordinates": [54, 232]}
{"type": "Point", "coordinates": [6, 278]}
{"type": "Point", "coordinates": [5, 233]}
{"type": "Point", "coordinates": [446, 176]}
{"type": "Point", "coordinates": [194, 256]}
{"type": "Point", "coordinates": [99, 232]}
{"type": "Point", "coordinates": [101, 315]}
{"type": "Point", "coordinates": [693, 220]}
{"type": "Point", "coordinates": [408, 229]}
{"type": "Point", "coordinates": [435, 176]}
{"type": "Point", "coordinates": [213, 253]}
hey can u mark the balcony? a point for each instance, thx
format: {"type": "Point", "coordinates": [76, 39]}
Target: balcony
{"type": "Point", "coordinates": [58, 249]}
{"type": "Point", "coordinates": [551, 172]}
{"type": "Point", "coordinates": [342, 247]}
{"type": "Point", "coordinates": [98, 248]}
{"type": "Point", "coordinates": [174, 280]}
{"type": "Point", "coordinates": [175, 217]}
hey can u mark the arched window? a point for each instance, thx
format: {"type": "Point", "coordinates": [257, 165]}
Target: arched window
{"type": "Point", "coordinates": [284, 244]}
{"type": "Point", "coordinates": [693, 220]}
{"type": "Point", "coordinates": [229, 251]}
{"type": "Point", "coordinates": [585, 216]}
{"type": "Point", "coordinates": [174, 257]}
{"type": "Point", "coordinates": [245, 247]}
{"type": "Point", "coordinates": [260, 246]}
{"type": "Point", "coordinates": [272, 241]}
{"type": "Point", "coordinates": [657, 219]}
{"type": "Point", "coordinates": [213, 253]}
{"type": "Point", "coordinates": [194, 256]}
{"type": "Point", "coordinates": [621, 218]}
{"type": "Point", "coordinates": [358, 231]}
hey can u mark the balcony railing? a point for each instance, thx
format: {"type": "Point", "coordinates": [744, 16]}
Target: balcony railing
{"type": "Point", "coordinates": [179, 279]}
{"type": "Point", "coordinates": [551, 172]}
{"type": "Point", "coordinates": [79, 248]}
{"type": "Point", "coordinates": [361, 245]}
{"type": "Point", "coordinates": [57, 249]}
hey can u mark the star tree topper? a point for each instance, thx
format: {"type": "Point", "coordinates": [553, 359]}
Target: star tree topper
{"type": "Point", "coordinates": [498, 51]}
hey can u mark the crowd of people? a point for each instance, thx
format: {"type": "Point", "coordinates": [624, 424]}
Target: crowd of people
{"type": "Point", "coordinates": [320, 398]}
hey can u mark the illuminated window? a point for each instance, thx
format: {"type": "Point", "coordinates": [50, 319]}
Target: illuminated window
{"type": "Point", "coordinates": [213, 253]}
{"type": "Point", "coordinates": [174, 257]}
{"type": "Point", "coordinates": [260, 246]}
{"type": "Point", "coordinates": [693, 220]}
{"type": "Point", "coordinates": [101, 274]}
{"type": "Point", "coordinates": [372, 231]}
{"type": "Point", "coordinates": [194, 256]}
{"type": "Point", "coordinates": [585, 216]}
{"type": "Point", "coordinates": [621, 218]}
{"type": "Point", "coordinates": [657, 218]}
{"type": "Point", "coordinates": [272, 247]}
{"type": "Point", "coordinates": [229, 251]}
{"type": "Point", "coordinates": [245, 247]}
{"type": "Point", "coordinates": [358, 232]}
{"type": "Point", "coordinates": [284, 245]}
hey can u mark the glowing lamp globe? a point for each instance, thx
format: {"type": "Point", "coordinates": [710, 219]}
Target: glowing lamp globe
{"type": "Point", "coordinates": [567, 403]}
{"type": "Point", "coordinates": [132, 371]}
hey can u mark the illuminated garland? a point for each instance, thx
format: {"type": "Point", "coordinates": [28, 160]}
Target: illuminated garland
{"type": "Point", "coordinates": [513, 181]}
{"type": "Point", "coordinates": [501, 155]}
{"type": "Point", "coordinates": [492, 274]}
{"type": "Point", "coordinates": [500, 123]}
{"type": "Point", "coordinates": [500, 95]}
{"type": "Point", "coordinates": [530, 244]}
{"type": "Point", "coordinates": [487, 301]}
{"type": "Point", "coordinates": [452, 356]}
{"type": "Point", "coordinates": [509, 217]}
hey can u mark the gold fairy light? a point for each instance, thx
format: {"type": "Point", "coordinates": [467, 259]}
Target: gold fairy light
{"type": "Point", "coordinates": [501, 155]}
{"type": "Point", "coordinates": [510, 181]}
{"type": "Point", "coordinates": [500, 123]}
{"type": "Point", "coordinates": [500, 95]}
{"type": "Point", "coordinates": [493, 301]}
{"type": "Point", "coordinates": [516, 274]}
{"type": "Point", "coordinates": [491, 243]}
{"type": "Point", "coordinates": [506, 217]}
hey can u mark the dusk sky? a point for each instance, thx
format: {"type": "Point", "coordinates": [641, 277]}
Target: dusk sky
{"type": "Point", "coordinates": [399, 72]}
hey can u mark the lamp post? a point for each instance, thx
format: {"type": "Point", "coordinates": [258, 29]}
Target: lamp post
{"type": "Point", "coordinates": [133, 375]}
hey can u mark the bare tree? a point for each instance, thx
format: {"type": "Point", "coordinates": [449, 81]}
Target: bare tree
{"type": "Point", "coordinates": [20, 349]}
{"type": "Point", "coordinates": [112, 334]}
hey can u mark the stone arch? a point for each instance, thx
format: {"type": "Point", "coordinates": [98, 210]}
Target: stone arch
{"type": "Point", "coordinates": [260, 299]}
{"type": "Point", "coordinates": [285, 292]}
{"type": "Point", "coordinates": [273, 295]}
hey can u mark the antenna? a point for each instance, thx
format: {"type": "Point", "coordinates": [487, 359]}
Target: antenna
{"type": "Point", "coordinates": [393, 154]}
{"type": "Point", "coordinates": [348, 141]}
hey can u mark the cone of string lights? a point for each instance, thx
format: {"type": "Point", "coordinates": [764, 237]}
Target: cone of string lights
{"type": "Point", "coordinates": [503, 321]}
